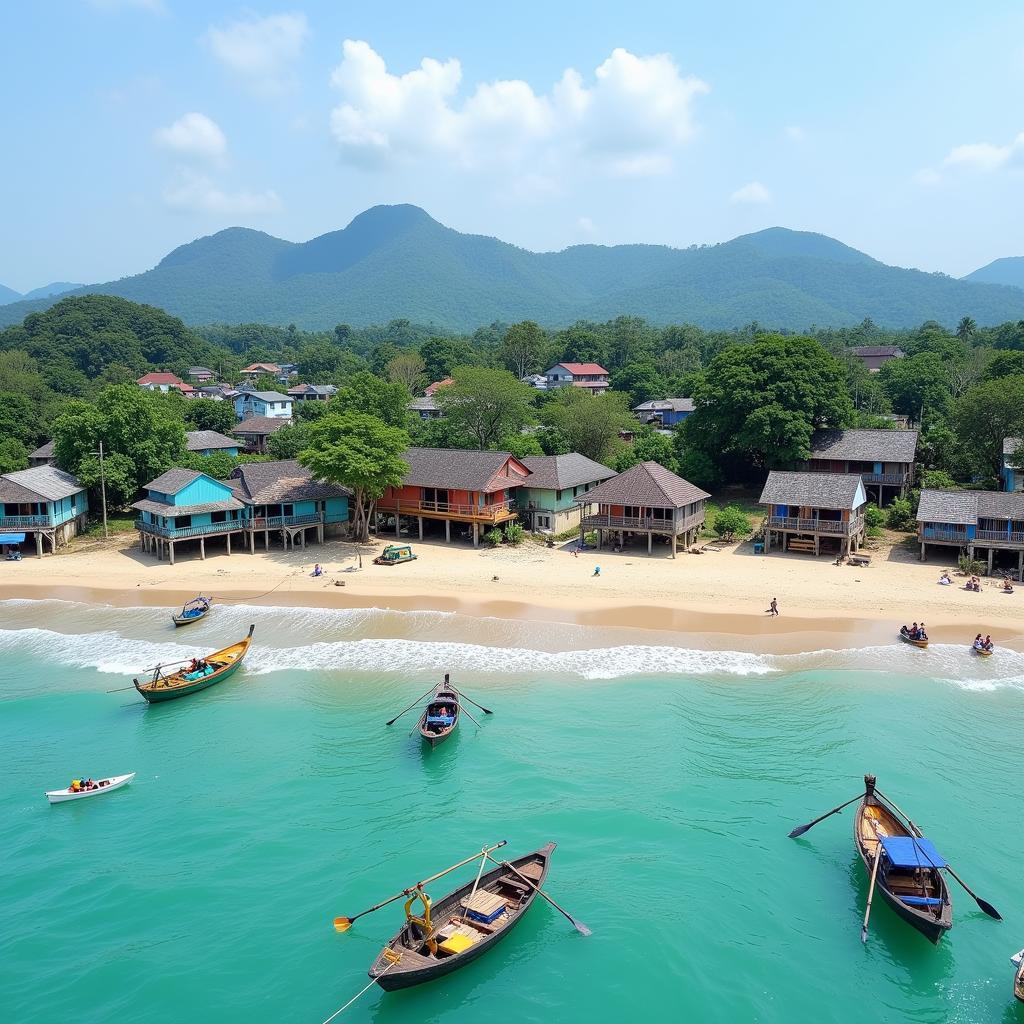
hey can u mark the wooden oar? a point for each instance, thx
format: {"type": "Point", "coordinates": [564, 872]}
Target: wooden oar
{"type": "Point", "coordinates": [466, 711]}
{"type": "Point", "coordinates": [578, 925]}
{"type": "Point", "coordinates": [801, 829]}
{"type": "Point", "coordinates": [486, 711]}
{"type": "Point", "coordinates": [411, 706]}
{"type": "Point", "coordinates": [983, 904]}
{"type": "Point", "coordinates": [342, 924]}
{"type": "Point", "coordinates": [871, 887]}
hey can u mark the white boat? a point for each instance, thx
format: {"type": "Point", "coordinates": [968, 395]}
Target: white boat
{"type": "Point", "coordinates": [58, 796]}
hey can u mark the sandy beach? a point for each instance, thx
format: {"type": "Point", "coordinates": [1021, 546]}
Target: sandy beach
{"type": "Point", "coordinates": [718, 599]}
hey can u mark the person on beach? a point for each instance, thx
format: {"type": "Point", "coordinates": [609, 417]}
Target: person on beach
{"type": "Point", "coordinates": [944, 579]}
{"type": "Point", "coordinates": [1007, 587]}
{"type": "Point", "coordinates": [317, 570]}
{"type": "Point", "coordinates": [773, 608]}
{"type": "Point", "coordinates": [597, 570]}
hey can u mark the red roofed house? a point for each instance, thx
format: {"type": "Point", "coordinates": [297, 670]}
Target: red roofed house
{"type": "Point", "coordinates": [161, 381]}
{"type": "Point", "coordinates": [254, 370]}
{"type": "Point", "coordinates": [456, 486]}
{"type": "Point", "coordinates": [431, 388]}
{"type": "Point", "coordinates": [591, 376]}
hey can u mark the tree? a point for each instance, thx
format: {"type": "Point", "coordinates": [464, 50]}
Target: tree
{"type": "Point", "coordinates": [730, 522]}
{"type": "Point", "coordinates": [289, 441]}
{"type": "Point", "coordinates": [916, 384]}
{"type": "Point", "coordinates": [441, 355]}
{"type": "Point", "coordinates": [757, 405]}
{"type": "Point", "coordinates": [590, 424]}
{"type": "Point", "coordinates": [141, 428]}
{"type": "Point", "coordinates": [641, 381]}
{"type": "Point", "coordinates": [409, 369]}
{"type": "Point", "coordinates": [359, 452]}
{"type": "Point", "coordinates": [965, 330]}
{"type": "Point", "coordinates": [207, 414]}
{"type": "Point", "coordinates": [521, 348]}
{"type": "Point", "coordinates": [487, 404]}
{"type": "Point", "coordinates": [13, 455]}
{"type": "Point", "coordinates": [119, 475]}
{"type": "Point", "coordinates": [648, 446]}
{"type": "Point", "coordinates": [367, 393]}
{"type": "Point", "coordinates": [522, 445]}
{"type": "Point", "coordinates": [988, 414]}
{"type": "Point", "coordinates": [936, 479]}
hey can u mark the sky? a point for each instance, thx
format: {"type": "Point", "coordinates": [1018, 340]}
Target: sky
{"type": "Point", "coordinates": [135, 126]}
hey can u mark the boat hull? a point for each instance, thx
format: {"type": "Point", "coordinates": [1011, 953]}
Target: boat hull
{"type": "Point", "coordinates": [227, 661]}
{"type": "Point", "coordinates": [445, 695]}
{"type": "Point", "coordinates": [160, 696]}
{"type": "Point", "coordinates": [1018, 981]}
{"type": "Point", "coordinates": [182, 620]}
{"type": "Point", "coordinates": [406, 977]}
{"type": "Point", "coordinates": [60, 796]}
{"type": "Point", "coordinates": [920, 644]}
{"type": "Point", "coordinates": [981, 654]}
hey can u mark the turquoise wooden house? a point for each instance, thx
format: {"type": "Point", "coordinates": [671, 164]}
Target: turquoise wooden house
{"type": "Point", "coordinates": [549, 501]}
{"type": "Point", "coordinates": [43, 503]}
{"type": "Point", "coordinates": [185, 505]}
{"type": "Point", "coordinates": [985, 524]}
{"type": "Point", "coordinates": [262, 403]}
{"type": "Point", "coordinates": [208, 442]}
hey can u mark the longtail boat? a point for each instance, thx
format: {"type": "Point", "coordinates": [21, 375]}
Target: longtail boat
{"type": "Point", "coordinates": [910, 870]}
{"type": "Point", "coordinates": [441, 715]}
{"type": "Point", "coordinates": [908, 639]}
{"type": "Point", "coordinates": [192, 611]}
{"type": "Point", "coordinates": [455, 930]}
{"type": "Point", "coordinates": [1018, 977]}
{"type": "Point", "coordinates": [214, 668]}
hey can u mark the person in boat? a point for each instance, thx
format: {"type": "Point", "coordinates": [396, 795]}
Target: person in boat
{"type": "Point", "coordinates": [987, 642]}
{"type": "Point", "coordinates": [978, 643]}
{"type": "Point", "coordinates": [921, 634]}
{"type": "Point", "coordinates": [76, 786]}
{"type": "Point", "coordinates": [914, 632]}
{"type": "Point", "coordinates": [193, 665]}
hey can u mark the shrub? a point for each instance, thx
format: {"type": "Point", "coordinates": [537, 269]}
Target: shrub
{"type": "Point", "coordinates": [937, 479]}
{"type": "Point", "coordinates": [970, 566]}
{"type": "Point", "coordinates": [494, 537]}
{"type": "Point", "coordinates": [731, 521]}
{"type": "Point", "coordinates": [874, 517]}
{"type": "Point", "coordinates": [901, 515]}
{"type": "Point", "coordinates": [514, 533]}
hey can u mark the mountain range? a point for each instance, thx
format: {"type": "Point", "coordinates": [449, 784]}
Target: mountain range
{"type": "Point", "coordinates": [47, 291]}
{"type": "Point", "coordinates": [1009, 270]}
{"type": "Point", "coordinates": [398, 262]}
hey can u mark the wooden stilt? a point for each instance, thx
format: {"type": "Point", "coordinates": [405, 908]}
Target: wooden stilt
{"type": "Point", "coordinates": [202, 548]}
{"type": "Point", "coordinates": [448, 531]}
{"type": "Point", "coordinates": [227, 537]}
{"type": "Point", "coordinates": [420, 518]}
{"type": "Point", "coordinates": [170, 549]}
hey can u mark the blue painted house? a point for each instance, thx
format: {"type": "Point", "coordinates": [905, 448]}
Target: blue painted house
{"type": "Point", "coordinates": [982, 523]}
{"type": "Point", "coordinates": [43, 503]}
{"type": "Point", "coordinates": [664, 412]}
{"type": "Point", "coordinates": [1013, 474]}
{"type": "Point", "coordinates": [207, 442]}
{"type": "Point", "coordinates": [262, 403]}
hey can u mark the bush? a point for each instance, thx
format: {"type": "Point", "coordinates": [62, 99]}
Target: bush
{"type": "Point", "coordinates": [494, 537]}
{"type": "Point", "coordinates": [970, 566]}
{"type": "Point", "coordinates": [514, 534]}
{"type": "Point", "coordinates": [937, 479]}
{"type": "Point", "coordinates": [874, 517]}
{"type": "Point", "coordinates": [901, 515]}
{"type": "Point", "coordinates": [731, 521]}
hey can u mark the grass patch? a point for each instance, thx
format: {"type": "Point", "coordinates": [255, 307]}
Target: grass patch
{"type": "Point", "coordinates": [118, 522]}
{"type": "Point", "coordinates": [755, 511]}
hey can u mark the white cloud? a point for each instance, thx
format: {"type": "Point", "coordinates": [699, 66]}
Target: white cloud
{"type": "Point", "coordinates": [631, 120]}
{"type": "Point", "coordinates": [986, 157]}
{"type": "Point", "coordinates": [194, 136]}
{"type": "Point", "coordinates": [197, 193]}
{"type": "Point", "coordinates": [260, 50]}
{"type": "Point", "coordinates": [752, 193]}
{"type": "Point", "coordinates": [795, 133]}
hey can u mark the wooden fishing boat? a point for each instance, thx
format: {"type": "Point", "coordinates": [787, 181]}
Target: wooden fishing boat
{"type": "Point", "coordinates": [214, 668]}
{"type": "Point", "coordinates": [910, 874]}
{"type": "Point", "coordinates": [192, 611]}
{"type": "Point", "coordinates": [908, 639]}
{"type": "Point", "coordinates": [441, 715]}
{"type": "Point", "coordinates": [462, 926]}
{"type": "Point", "coordinates": [981, 652]}
{"type": "Point", "coordinates": [59, 796]}
{"type": "Point", "coordinates": [1018, 978]}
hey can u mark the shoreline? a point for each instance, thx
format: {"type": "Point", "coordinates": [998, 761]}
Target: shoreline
{"type": "Point", "coordinates": [702, 599]}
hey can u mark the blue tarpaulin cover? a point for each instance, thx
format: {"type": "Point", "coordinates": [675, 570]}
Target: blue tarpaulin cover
{"type": "Point", "coordinates": [11, 538]}
{"type": "Point", "coordinates": [907, 852]}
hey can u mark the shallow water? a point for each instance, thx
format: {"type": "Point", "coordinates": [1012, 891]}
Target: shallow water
{"type": "Point", "coordinates": [669, 778]}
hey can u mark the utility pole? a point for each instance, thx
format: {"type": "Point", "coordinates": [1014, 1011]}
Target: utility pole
{"type": "Point", "coordinates": [103, 489]}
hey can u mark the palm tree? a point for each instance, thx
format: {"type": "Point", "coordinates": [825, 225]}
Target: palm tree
{"type": "Point", "coordinates": [966, 328]}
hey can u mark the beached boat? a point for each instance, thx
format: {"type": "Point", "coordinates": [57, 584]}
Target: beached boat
{"type": "Point", "coordinates": [910, 872]}
{"type": "Point", "coordinates": [1018, 977]}
{"type": "Point", "coordinates": [463, 925]}
{"type": "Point", "coordinates": [981, 652]}
{"type": "Point", "coordinates": [441, 715]}
{"type": "Point", "coordinates": [59, 796]}
{"type": "Point", "coordinates": [192, 611]}
{"type": "Point", "coordinates": [214, 668]}
{"type": "Point", "coordinates": [908, 639]}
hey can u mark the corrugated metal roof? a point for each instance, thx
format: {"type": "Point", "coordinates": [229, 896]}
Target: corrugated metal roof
{"type": "Point", "coordinates": [665, 405]}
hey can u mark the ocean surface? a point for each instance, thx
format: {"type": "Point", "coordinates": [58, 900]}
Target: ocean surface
{"type": "Point", "coordinates": [669, 777]}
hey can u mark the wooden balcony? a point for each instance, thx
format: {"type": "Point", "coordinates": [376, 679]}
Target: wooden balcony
{"type": "Point", "coordinates": [21, 523]}
{"type": "Point", "coordinates": [828, 527]}
{"type": "Point", "coordinates": [944, 535]}
{"type": "Point", "coordinates": [1000, 538]}
{"type": "Point", "coordinates": [277, 522]}
{"type": "Point", "coordinates": [187, 532]}
{"type": "Point", "coordinates": [645, 523]}
{"type": "Point", "coordinates": [889, 479]}
{"type": "Point", "coordinates": [496, 512]}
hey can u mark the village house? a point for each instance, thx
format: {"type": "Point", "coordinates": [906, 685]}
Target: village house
{"type": "Point", "coordinates": [201, 374]}
{"type": "Point", "coordinates": [254, 431]}
{"type": "Point", "coordinates": [663, 412]}
{"type": "Point", "coordinates": [1012, 475]}
{"type": "Point", "coordinates": [590, 376]}
{"type": "Point", "coordinates": [874, 357]}
{"type": "Point", "coordinates": [43, 503]}
{"type": "Point", "coordinates": [425, 408]}
{"type": "Point", "coordinates": [161, 381]}
{"type": "Point", "coordinates": [254, 370]}
{"type": "Point", "coordinates": [548, 500]}
{"type": "Point", "coordinates": [312, 392]}
{"type": "Point", "coordinates": [216, 392]}
{"type": "Point", "coordinates": [987, 525]}
{"type": "Point", "coordinates": [206, 442]}
{"type": "Point", "coordinates": [431, 388]}
{"type": "Point", "coordinates": [475, 490]}
{"type": "Point", "coordinates": [647, 500]}
{"type": "Point", "coordinates": [42, 456]}
{"type": "Point", "coordinates": [262, 403]}
{"type": "Point", "coordinates": [883, 459]}
{"type": "Point", "coordinates": [807, 509]}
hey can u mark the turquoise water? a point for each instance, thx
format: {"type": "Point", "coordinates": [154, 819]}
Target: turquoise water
{"type": "Point", "coordinates": [669, 778]}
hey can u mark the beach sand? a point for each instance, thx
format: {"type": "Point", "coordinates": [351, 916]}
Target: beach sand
{"type": "Point", "coordinates": [718, 599]}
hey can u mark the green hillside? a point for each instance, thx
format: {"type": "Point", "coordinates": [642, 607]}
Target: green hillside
{"type": "Point", "coordinates": [8, 295]}
{"type": "Point", "coordinates": [1009, 270]}
{"type": "Point", "coordinates": [396, 262]}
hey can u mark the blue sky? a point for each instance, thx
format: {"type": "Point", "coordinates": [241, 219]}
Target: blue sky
{"type": "Point", "coordinates": [133, 126]}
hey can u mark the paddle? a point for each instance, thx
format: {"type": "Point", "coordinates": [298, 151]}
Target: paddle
{"type": "Point", "coordinates": [983, 904]}
{"type": "Point", "coordinates": [801, 829]}
{"type": "Point", "coordinates": [342, 924]}
{"type": "Point", "coordinates": [871, 887]}
{"type": "Point", "coordinates": [486, 711]}
{"type": "Point", "coordinates": [578, 925]}
{"type": "Point", "coordinates": [466, 711]}
{"type": "Point", "coordinates": [410, 707]}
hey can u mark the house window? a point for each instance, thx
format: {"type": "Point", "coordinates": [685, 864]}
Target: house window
{"type": "Point", "coordinates": [287, 510]}
{"type": "Point", "coordinates": [218, 517]}
{"type": "Point", "coordinates": [182, 521]}
{"type": "Point", "coordinates": [542, 521]}
{"type": "Point", "coordinates": [558, 495]}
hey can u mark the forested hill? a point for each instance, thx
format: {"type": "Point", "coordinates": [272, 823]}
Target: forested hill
{"type": "Point", "coordinates": [1009, 270]}
{"type": "Point", "coordinates": [396, 262]}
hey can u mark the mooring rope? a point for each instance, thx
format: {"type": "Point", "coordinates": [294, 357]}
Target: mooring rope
{"type": "Point", "coordinates": [359, 993]}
